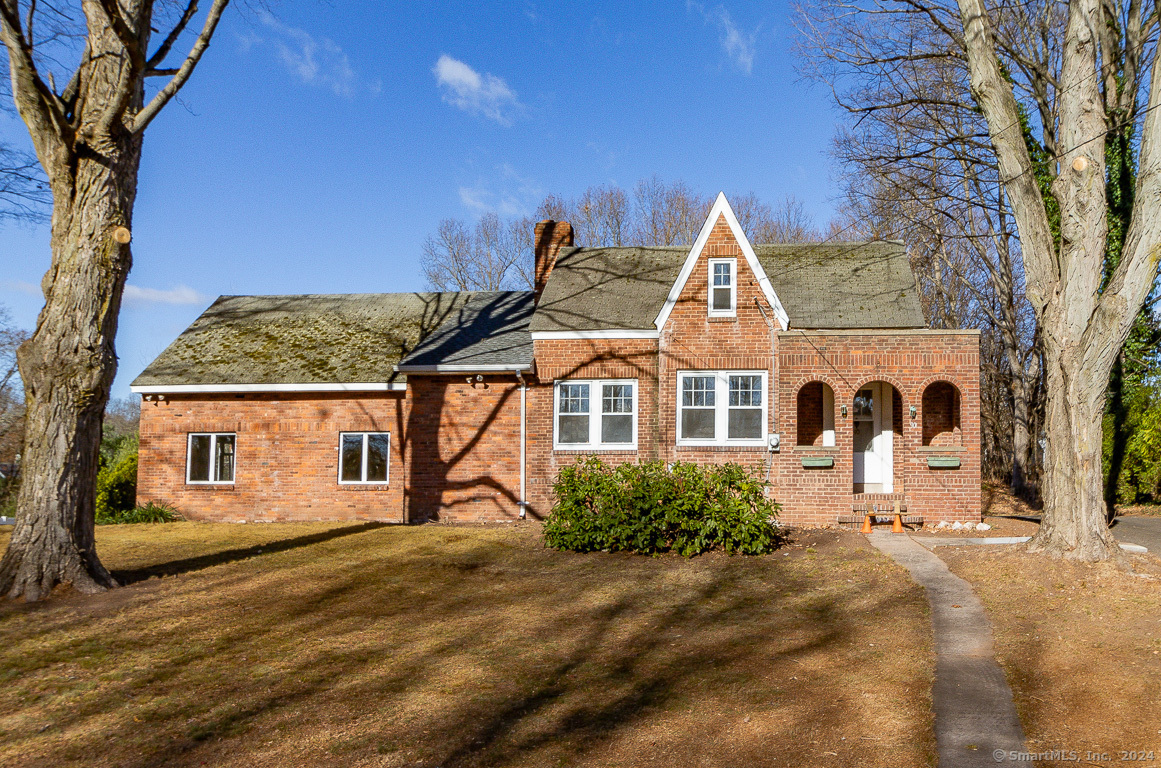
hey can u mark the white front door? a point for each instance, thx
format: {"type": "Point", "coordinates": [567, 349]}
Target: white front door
{"type": "Point", "coordinates": [873, 438]}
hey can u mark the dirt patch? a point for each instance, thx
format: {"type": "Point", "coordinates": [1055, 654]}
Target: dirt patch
{"type": "Point", "coordinates": [452, 646]}
{"type": "Point", "coordinates": [1081, 646]}
{"type": "Point", "coordinates": [1141, 510]}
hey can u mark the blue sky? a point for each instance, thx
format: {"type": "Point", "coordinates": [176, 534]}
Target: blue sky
{"type": "Point", "coordinates": [315, 149]}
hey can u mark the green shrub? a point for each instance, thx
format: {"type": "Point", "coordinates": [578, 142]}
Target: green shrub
{"type": "Point", "coordinates": [117, 481]}
{"type": "Point", "coordinates": [153, 512]}
{"type": "Point", "coordinates": [650, 508]}
{"type": "Point", "coordinates": [9, 490]}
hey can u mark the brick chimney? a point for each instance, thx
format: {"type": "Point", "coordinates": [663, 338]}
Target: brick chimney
{"type": "Point", "coordinates": [549, 236]}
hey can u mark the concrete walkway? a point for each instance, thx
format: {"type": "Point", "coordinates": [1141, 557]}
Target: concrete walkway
{"type": "Point", "coordinates": [975, 718]}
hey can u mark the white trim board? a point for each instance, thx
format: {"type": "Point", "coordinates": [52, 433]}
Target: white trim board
{"type": "Point", "coordinates": [180, 389]}
{"type": "Point", "coordinates": [721, 207]}
{"type": "Point", "coordinates": [601, 333]}
{"type": "Point", "coordinates": [497, 368]}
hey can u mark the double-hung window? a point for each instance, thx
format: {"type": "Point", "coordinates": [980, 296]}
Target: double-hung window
{"type": "Point", "coordinates": [595, 414]}
{"type": "Point", "coordinates": [723, 288]}
{"type": "Point", "coordinates": [721, 408]}
{"type": "Point", "coordinates": [209, 457]}
{"type": "Point", "coordinates": [364, 457]}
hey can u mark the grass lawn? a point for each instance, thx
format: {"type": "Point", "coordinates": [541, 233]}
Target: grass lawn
{"type": "Point", "coordinates": [1081, 646]}
{"type": "Point", "coordinates": [329, 644]}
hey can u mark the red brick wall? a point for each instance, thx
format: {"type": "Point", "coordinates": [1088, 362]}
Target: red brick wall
{"type": "Point", "coordinates": [463, 448]}
{"type": "Point", "coordinates": [909, 361]}
{"type": "Point", "coordinates": [286, 455]}
{"type": "Point", "coordinates": [587, 359]}
{"type": "Point", "coordinates": [691, 340]}
{"type": "Point", "coordinates": [455, 455]}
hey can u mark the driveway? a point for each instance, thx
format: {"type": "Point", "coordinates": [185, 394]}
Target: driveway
{"type": "Point", "coordinates": [1145, 531]}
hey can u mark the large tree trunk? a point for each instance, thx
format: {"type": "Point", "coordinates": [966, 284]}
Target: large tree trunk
{"type": "Point", "coordinates": [1082, 326]}
{"type": "Point", "coordinates": [1074, 523]}
{"type": "Point", "coordinates": [88, 139]}
{"type": "Point", "coordinates": [68, 366]}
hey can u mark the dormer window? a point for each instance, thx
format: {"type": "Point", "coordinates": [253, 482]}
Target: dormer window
{"type": "Point", "coordinates": [723, 287]}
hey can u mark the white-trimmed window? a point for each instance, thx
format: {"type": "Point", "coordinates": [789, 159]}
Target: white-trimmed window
{"type": "Point", "coordinates": [721, 408]}
{"type": "Point", "coordinates": [723, 287]}
{"type": "Point", "coordinates": [364, 457]}
{"type": "Point", "coordinates": [595, 414]}
{"type": "Point", "coordinates": [210, 457]}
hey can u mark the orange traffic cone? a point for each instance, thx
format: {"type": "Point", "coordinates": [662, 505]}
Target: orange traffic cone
{"type": "Point", "coordinates": [897, 527]}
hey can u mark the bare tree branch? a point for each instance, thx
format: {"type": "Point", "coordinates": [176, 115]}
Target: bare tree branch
{"type": "Point", "coordinates": [162, 97]}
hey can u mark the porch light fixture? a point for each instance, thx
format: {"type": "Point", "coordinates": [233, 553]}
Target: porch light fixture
{"type": "Point", "coordinates": [913, 413]}
{"type": "Point", "coordinates": [844, 411]}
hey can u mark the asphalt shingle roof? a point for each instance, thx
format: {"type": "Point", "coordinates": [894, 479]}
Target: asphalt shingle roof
{"type": "Point", "coordinates": [360, 338]}
{"type": "Point", "coordinates": [342, 338]}
{"type": "Point", "coordinates": [824, 286]}
{"type": "Point", "coordinates": [486, 329]}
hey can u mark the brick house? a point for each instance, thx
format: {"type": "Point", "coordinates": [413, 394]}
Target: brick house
{"type": "Point", "coordinates": [811, 364]}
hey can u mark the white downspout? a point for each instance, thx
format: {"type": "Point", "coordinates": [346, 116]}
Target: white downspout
{"type": "Point", "coordinates": [523, 444]}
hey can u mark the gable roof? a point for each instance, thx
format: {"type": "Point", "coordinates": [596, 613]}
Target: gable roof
{"type": "Point", "coordinates": [721, 209]}
{"type": "Point", "coordinates": [821, 285]}
{"type": "Point", "coordinates": [333, 339]}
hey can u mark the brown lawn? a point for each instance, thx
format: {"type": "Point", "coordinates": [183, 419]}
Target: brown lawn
{"type": "Point", "coordinates": [329, 644]}
{"type": "Point", "coordinates": [1081, 646]}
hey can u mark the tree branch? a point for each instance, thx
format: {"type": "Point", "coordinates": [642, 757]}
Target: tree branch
{"type": "Point", "coordinates": [162, 97]}
{"type": "Point", "coordinates": [39, 107]}
{"type": "Point", "coordinates": [163, 50]}
{"type": "Point", "coordinates": [998, 104]}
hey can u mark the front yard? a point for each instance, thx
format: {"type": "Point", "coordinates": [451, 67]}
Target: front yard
{"type": "Point", "coordinates": [1081, 646]}
{"type": "Point", "coordinates": [330, 644]}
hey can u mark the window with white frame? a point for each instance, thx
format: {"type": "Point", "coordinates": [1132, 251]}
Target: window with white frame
{"type": "Point", "coordinates": [210, 457]}
{"type": "Point", "coordinates": [723, 288]}
{"type": "Point", "coordinates": [595, 414]}
{"type": "Point", "coordinates": [364, 457]}
{"type": "Point", "coordinates": [721, 408]}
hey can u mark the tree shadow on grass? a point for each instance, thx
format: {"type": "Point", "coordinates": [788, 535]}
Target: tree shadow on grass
{"type": "Point", "coordinates": [186, 565]}
{"type": "Point", "coordinates": [489, 654]}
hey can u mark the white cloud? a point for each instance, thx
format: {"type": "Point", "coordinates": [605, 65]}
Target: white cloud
{"type": "Point", "coordinates": [738, 45]}
{"type": "Point", "coordinates": [21, 286]}
{"type": "Point", "coordinates": [180, 294]}
{"type": "Point", "coordinates": [317, 61]}
{"type": "Point", "coordinates": [508, 195]}
{"type": "Point", "coordinates": [483, 94]}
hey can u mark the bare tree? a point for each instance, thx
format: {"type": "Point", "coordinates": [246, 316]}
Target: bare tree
{"type": "Point", "coordinates": [87, 136]}
{"type": "Point", "coordinates": [668, 214]}
{"type": "Point", "coordinates": [1082, 326]}
{"type": "Point", "coordinates": [24, 192]}
{"type": "Point", "coordinates": [919, 166]}
{"type": "Point", "coordinates": [1053, 188]}
{"type": "Point", "coordinates": [484, 258]}
{"type": "Point", "coordinates": [787, 223]}
{"type": "Point", "coordinates": [496, 254]}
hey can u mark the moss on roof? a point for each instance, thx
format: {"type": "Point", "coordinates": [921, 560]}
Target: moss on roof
{"type": "Point", "coordinates": [342, 338]}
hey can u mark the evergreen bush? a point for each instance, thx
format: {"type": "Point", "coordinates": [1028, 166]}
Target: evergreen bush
{"type": "Point", "coordinates": [651, 508]}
